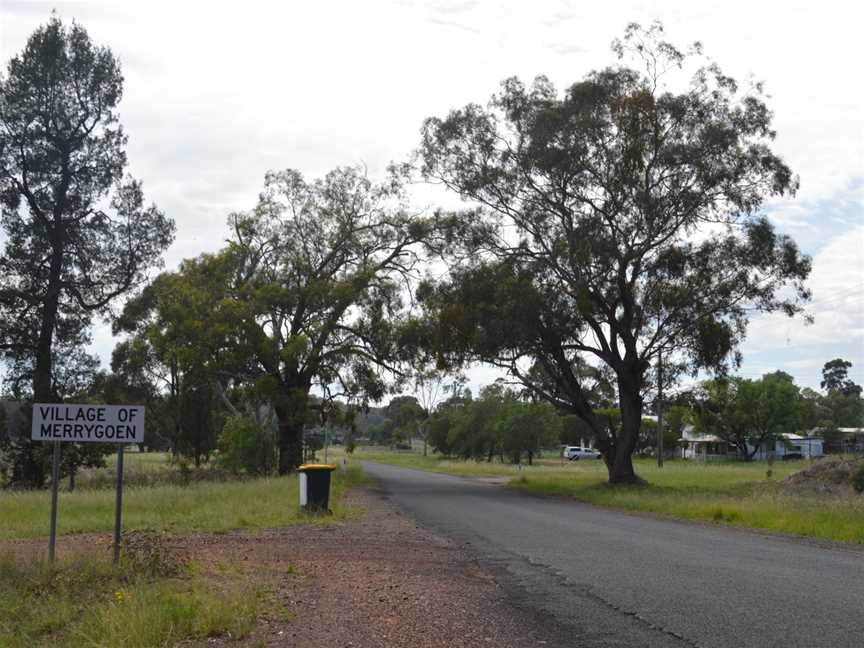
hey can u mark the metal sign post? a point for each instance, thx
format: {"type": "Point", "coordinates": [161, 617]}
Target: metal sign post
{"type": "Point", "coordinates": [118, 504]}
{"type": "Point", "coordinates": [660, 409]}
{"type": "Point", "coordinates": [59, 422]}
{"type": "Point", "coordinates": [55, 480]}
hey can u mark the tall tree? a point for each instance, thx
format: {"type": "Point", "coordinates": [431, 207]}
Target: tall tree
{"type": "Point", "coordinates": [843, 405]}
{"type": "Point", "coordinates": [72, 246]}
{"type": "Point", "coordinates": [583, 242]}
{"type": "Point", "coordinates": [315, 285]}
{"type": "Point", "coordinates": [835, 377]}
{"type": "Point", "coordinates": [78, 234]}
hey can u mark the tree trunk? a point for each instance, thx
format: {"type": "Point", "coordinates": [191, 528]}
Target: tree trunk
{"type": "Point", "coordinates": [72, 478]}
{"type": "Point", "coordinates": [43, 369]}
{"type": "Point", "coordinates": [290, 446]}
{"type": "Point", "coordinates": [31, 468]}
{"type": "Point", "coordinates": [291, 417]}
{"type": "Point", "coordinates": [620, 465]}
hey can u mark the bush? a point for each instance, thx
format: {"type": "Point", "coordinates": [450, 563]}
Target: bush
{"type": "Point", "coordinates": [245, 446]}
{"type": "Point", "coordinates": [858, 480]}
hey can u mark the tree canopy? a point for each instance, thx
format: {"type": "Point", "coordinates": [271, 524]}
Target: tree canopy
{"type": "Point", "coordinates": [835, 378]}
{"type": "Point", "coordinates": [613, 222]}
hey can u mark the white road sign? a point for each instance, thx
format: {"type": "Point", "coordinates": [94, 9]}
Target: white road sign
{"type": "Point", "coordinates": [88, 423]}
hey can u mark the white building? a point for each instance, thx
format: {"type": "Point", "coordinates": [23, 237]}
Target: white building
{"type": "Point", "coordinates": [708, 446]}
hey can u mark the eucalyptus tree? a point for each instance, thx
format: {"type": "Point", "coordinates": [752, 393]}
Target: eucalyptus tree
{"type": "Point", "coordinates": [77, 232]}
{"type": "Point", "coordinates": [319, 282]}
{"type": "Point", "coordinates": [610, 224]}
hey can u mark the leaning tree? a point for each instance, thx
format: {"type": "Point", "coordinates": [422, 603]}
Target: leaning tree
{"type": "Point", "coordinates": [610, 224]}
{"type": "Point", "coordinates": [77, 232]}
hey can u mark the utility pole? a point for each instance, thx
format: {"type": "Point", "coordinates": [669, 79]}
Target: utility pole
{"type": "Point", "coordinates": [660, 408]}
{"type": "Point", "coordinates": [326, 440]}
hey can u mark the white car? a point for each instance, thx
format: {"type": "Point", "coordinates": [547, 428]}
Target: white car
{"type": "Point", "coordinates": [574, 453]}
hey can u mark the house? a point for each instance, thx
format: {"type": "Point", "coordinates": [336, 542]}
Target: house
{"type": "Point", "coordinates": [708, 446]}
{"type": "Point", "coordinates": [791, 445]}
{"type": "Point", "coordinates": [703, 446]}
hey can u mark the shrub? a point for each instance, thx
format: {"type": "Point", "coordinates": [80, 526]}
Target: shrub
{"type": "Point", "coordinates": [858, 480]}
{"type": "Point", "coordinates": [245, 446]}
{"type": "Point", "coordinates": [145, 552]}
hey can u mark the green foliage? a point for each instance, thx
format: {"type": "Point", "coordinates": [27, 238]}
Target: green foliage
{"type": "Point", "coordinates": [750, 413]}
{"type": "Point", "coordinates": [842, 406]}
{"type": "Point", "coordinates": [498, 423]}
{"type": "Point", "coordinates": [835, 378]}
{"type": "Point", "coordinates": [312, 443]}
{"type": "Point", "coordinates": [858, 480]}
{"type": "Point", "coordinates": [169, 360]}
{"type": "Point", "coordinates": [526, 428]}
{"type": "Point", "coordinates": [245, 446]}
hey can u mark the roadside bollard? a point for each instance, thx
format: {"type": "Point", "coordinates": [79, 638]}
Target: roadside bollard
{"type": "Point", "coordinates": [315, 487]}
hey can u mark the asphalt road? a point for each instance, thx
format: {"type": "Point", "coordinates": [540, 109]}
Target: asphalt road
{"type": "Point", "coordinates": [615, 579]}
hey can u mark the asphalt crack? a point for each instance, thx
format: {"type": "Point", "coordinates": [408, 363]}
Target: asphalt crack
{"type": "Point", "coordinates": [526, 593]}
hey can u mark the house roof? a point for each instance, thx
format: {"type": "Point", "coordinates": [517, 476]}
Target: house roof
{"type": "Point", "coordinates": [702, 438]}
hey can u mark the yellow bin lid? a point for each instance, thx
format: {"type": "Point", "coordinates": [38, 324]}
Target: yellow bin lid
{"type": "Point", "coordinates": [317, 467]}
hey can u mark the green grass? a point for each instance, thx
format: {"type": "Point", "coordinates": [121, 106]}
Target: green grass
{"type": "Point", "coordinates": [146, 469]}
{"type": "Point", "coordinates": [206, 506]}
{"type": "Point", "coordinates": [739, 494]}
{"type": "Point", "coordinates": [92, 603]}
{"type": "Point", "coordinates": [151, 598]}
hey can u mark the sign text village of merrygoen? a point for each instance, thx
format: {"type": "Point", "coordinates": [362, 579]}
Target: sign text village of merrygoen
{"type": "Point", "coordinates": [67, 423]}
{"type": "Point", "coordinates": [88, 423]}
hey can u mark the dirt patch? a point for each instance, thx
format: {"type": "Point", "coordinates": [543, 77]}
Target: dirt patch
{"type": "Point", "coordinates": [834, 476]}
{"type": "Point", "coordinates": [379, 581]}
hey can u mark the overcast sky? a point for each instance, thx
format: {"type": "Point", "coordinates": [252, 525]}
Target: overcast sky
{"type": "Point", "coordinates": [218, 93]}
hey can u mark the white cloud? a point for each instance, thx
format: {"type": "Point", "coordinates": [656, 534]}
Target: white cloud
{"type": "Point", "coordinates": [837, 283]}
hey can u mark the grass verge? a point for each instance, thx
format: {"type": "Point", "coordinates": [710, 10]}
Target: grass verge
{"type": "Point", "coordinates": [204, 506]}
{"type": "Point", "coordinates": [739, 494]}
{"type": "Point", "coordinates": [93, 603]}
